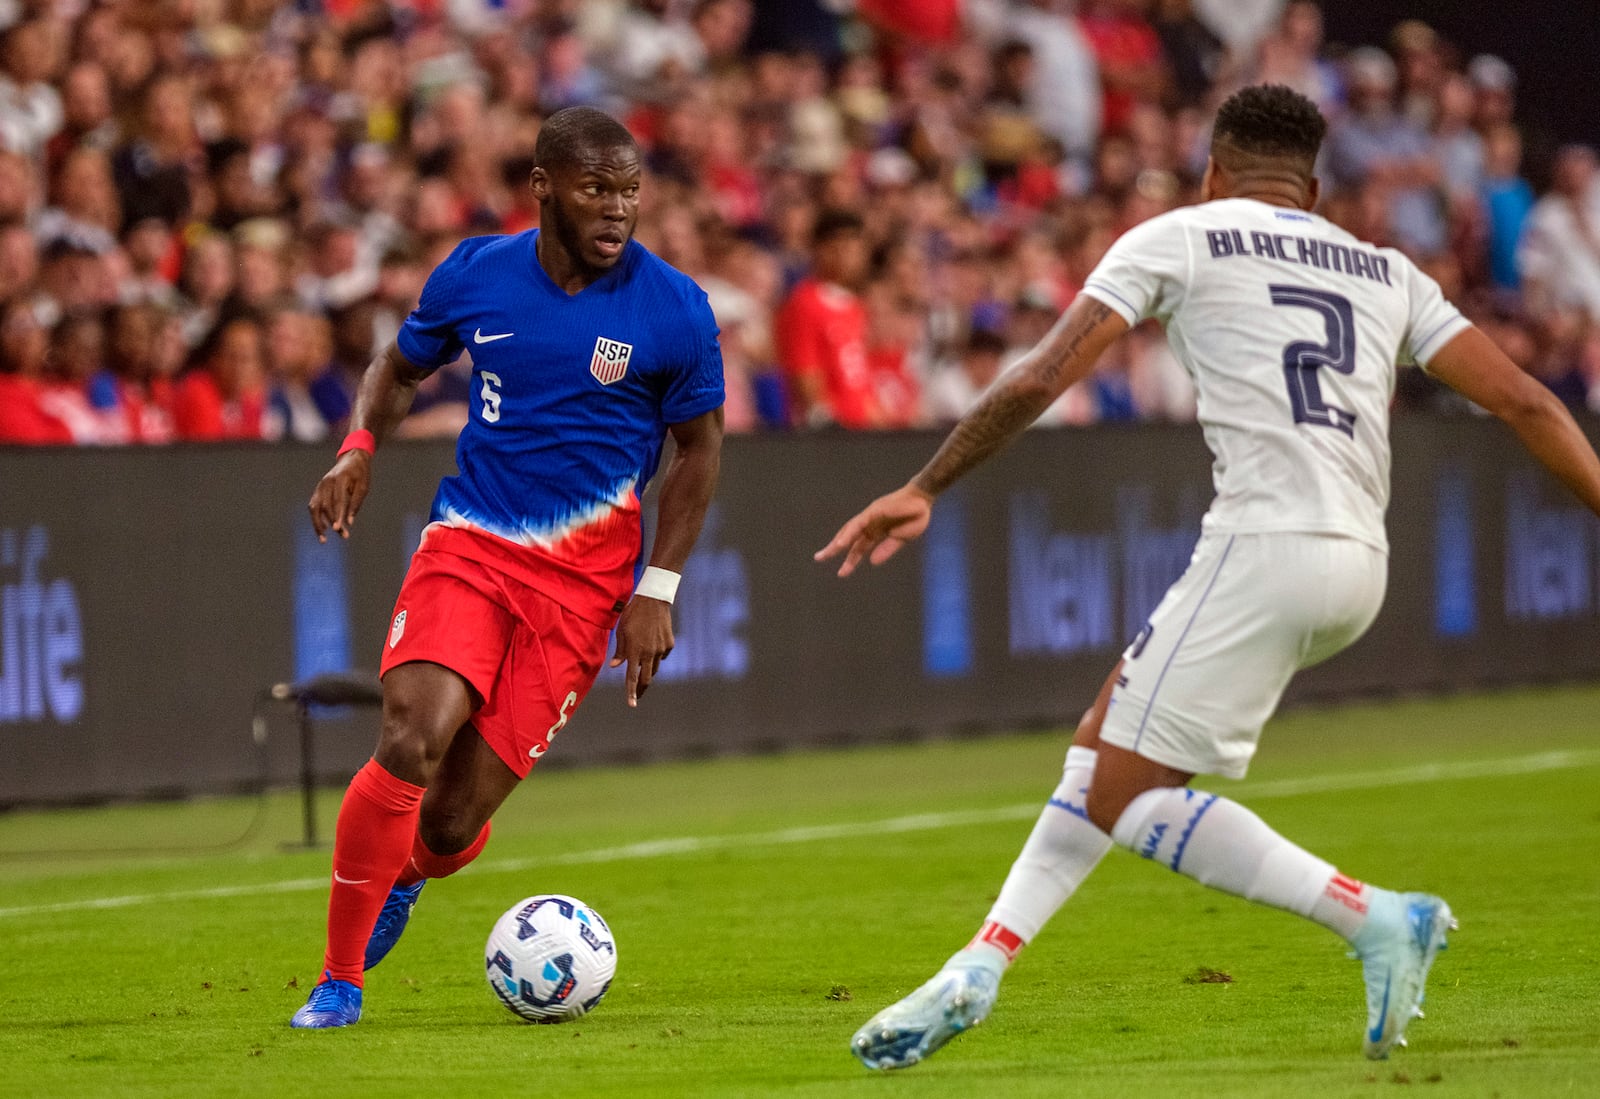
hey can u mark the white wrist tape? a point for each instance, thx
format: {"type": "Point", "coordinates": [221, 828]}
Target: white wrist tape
{"type": "Point", "coordinates": [659, 584]}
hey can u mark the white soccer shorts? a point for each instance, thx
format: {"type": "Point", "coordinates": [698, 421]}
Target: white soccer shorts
{"type": "Point", "coordinates": [1208, 669]}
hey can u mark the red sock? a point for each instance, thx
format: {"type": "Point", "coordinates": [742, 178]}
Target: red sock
{"type": "Point", "coordinates": [425, 864]}
{"type": "Point", "coordinates": [370, 846]}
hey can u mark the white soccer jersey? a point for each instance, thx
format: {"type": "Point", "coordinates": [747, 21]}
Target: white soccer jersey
{"type": "Point", "coordinates": [1291, 329]}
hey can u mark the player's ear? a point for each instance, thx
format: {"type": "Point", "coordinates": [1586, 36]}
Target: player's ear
{"type": "Point", "coordinates": [1313, 192]}
{"type": "Point", "coordinates": [539, 184]}
{"type": "Point", "coordinates": [1208, 182]}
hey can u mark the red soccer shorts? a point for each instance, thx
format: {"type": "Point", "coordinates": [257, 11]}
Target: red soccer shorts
{"type": "Point", "coordinates": [529, 658]}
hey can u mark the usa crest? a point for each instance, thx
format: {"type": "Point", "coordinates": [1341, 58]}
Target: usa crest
{"type": "Point", "coordinates": [610, 360]}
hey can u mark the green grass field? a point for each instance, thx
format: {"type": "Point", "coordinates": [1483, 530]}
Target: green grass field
{"type": "Point", "coordinates": [765, 907]}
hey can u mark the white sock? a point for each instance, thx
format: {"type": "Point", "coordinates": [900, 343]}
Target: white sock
{"type": "Point", "coordinates": [1061, 851]}
{"type": "Point", "coordinates": [1222, 844]}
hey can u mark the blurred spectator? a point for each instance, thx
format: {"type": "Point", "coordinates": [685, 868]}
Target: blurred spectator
{"type": "Point", "coordinates": [77, 346]}
{"type": "Point", "coordinates": [83, 206]}
{"type": "Point", "coordinates": [822, 331]}
{"type": "Point", "coordinates": [224, 397]}
{"type": "Point", "coordinates": [1377, 147]}
{"type": "Point", "coordinates": [135, 390]}
{"type": "Point", "coordinates": [894, 350]}
{"type": "Point", "coordinates": [1292, 56]}
{"type": "Point", "coordinates": [1421, 69]}
{"type": "Point", "coordinates": [151, 257]}
{"type": "Point", "coordinates": [354, 346]}
{"type": "Point", "coordinates": [1065, 98]}
{"type": "Point", "coordinates": [87, 121]}
{"type": "Point", "coordinates": [954, 390]}
{"type": "Point", "coordinates": [152, 170]}
{"type": "Point", "coordinates": [338, 270]}
{"type": "Point", "coordinates": [1132, 65]}
{"type": "Point", "coordinates": [24, 344]}
{"type": "Point", "coordinates": [299, 350]}
{"type": "Point", "coordinates": [19, 260]}
{"type": "Point", "coordinates": [260, 247]}
{"type": "Point", "coordinates": [30, 108]}
{"type": "Point", "coordinates": [19, 188]}
{"type": "Point", "coordinates": [1457, 146]}
{"type": "Point", "coordinates": [1195, 55]}
{"type": "Point", "coordinates": [1240, 24]}
{"type": "Point", "coordinates": [1508, 200]}
{"type": "Point", "coordinates": [1560, 253]}
{"type": "Point", "coordinates": [1494, 87]}
{"type": "Point", "coordinates": [654, 47]}
{"type": "Point", "coordinates": [74, 277]}
{"type": "Point", "coordinates": [208, 278]}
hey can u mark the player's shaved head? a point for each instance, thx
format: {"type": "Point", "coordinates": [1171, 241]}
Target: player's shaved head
{"type": "Point", "coordinates": [1268, 130]}
{"type": "Point", "coordinates": [573, 133]}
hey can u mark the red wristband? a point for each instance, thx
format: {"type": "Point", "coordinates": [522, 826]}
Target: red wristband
{"type": "Point", "coordinates": [358, 440]}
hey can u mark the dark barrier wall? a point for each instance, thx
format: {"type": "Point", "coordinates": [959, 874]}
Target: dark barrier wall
{"type": "Point", "coordinates": [146, 596]}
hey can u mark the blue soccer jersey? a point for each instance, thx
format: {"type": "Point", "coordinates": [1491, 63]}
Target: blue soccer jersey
{"type": "Point", "coordinates": [571, 397]}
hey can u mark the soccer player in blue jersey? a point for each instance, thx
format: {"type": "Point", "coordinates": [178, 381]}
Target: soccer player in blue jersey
{"type": "Point", "coordinates": [586, 350]}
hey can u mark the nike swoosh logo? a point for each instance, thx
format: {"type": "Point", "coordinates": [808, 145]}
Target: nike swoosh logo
{"type": "Point", "coordinates": [479, 337]}
{"type": "Point", "coordinates": [1383, 1013]}
{"type": "Point", "coordinates": [349, 881]}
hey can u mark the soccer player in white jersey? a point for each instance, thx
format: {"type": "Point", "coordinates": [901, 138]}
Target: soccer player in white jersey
{"type": "Point", "coordinates": [1291, 329]}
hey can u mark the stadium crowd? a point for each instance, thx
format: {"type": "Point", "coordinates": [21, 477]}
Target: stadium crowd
{"type": "Point", "coordinates": [213, 212]}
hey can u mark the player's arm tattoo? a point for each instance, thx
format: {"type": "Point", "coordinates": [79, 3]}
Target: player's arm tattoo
{"type": "Point", "coordinates": [1020, 395]}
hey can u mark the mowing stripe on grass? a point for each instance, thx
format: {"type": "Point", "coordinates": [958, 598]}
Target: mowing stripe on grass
{"type": "Point", "coordinates": [919, 822]}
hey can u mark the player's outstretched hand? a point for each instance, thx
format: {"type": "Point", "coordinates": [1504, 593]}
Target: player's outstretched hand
{"type": "Point", "coordinates": [340, 493]}
{"type": "Point", "coordinates": [880, 529]}
{"type": "Point", "coordinates": [644, 638]}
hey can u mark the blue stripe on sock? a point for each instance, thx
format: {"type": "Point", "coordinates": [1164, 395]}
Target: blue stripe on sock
{"type": "Point", "coordinates": [1188, 830]}
{"type": "Point", "coordinates": [1078, 811]}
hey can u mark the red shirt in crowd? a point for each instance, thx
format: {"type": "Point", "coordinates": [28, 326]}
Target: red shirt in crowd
{"type": "Point", "coordinates": [898, 395]}
{"type": "Point", "coordinates": [23, 418]}
{"type": "Point", "coordinates": [202, 413]}
{"type": "Point", "coordinates": [822, 333]}
{"type": "Point", "coordinates": [1120, 42]}
{"type": "Point", "coordinates": [140, 414]}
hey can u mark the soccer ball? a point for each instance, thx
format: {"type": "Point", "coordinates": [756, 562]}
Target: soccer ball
{"type": "Point", "coordinates": [550, 958]}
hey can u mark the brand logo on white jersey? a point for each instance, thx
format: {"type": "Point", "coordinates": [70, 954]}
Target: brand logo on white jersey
{"type": "Point", "coordinates": [397, 630]}
{"type": "Point", "coordinates": [610, 360]}
{"type": "Point", "coordinates": [479, 337]}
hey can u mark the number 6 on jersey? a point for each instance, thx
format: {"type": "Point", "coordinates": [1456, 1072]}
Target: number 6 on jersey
{"type": "Point", "coordinates": [491, 396]}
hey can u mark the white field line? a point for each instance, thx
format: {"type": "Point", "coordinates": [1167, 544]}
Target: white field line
{"type": "Point", "coordinates": [920, 822]}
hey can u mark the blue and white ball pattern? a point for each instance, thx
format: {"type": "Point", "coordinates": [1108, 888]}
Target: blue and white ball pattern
{"type": "Point", "coordinates": [550, 958]}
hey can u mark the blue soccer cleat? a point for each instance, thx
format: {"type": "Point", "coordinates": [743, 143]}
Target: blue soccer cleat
{"type": "Point", "coordinates": [392, 920]}
{"type": "Point", "coordinates": [332, 1004]}
{"type": "Point", "coordinates": [1397, 945]}
{"type": "Point", "coordinates": [959, 996]}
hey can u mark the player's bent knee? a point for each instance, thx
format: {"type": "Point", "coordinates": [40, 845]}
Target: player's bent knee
{"type": "Point", "coordinates": [410, 745]}
{"type": "Point", "coordinates": [447, 831]}
{"type": "Point", "coordinates": [1105, 808]}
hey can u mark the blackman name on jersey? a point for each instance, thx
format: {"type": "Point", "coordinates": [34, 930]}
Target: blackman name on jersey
{"type": "Point", "coordinates": [1324, 255]}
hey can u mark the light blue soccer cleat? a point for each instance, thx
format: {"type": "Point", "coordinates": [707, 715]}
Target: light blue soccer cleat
{"type": "Point", "coordinates": [332, 1004]}
{"type": "Point", "coordinates": [1397, 945]}
{"type": "Point", "coordinates": [392, 920]}
{"type": "Point", "coordinates": [959, 996]}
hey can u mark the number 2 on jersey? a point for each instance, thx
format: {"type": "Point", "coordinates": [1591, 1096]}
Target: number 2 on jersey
{"type": "Point", "coordinates": [491, 396]}
{"type": "Point", "coordinates": [1303, 358]}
